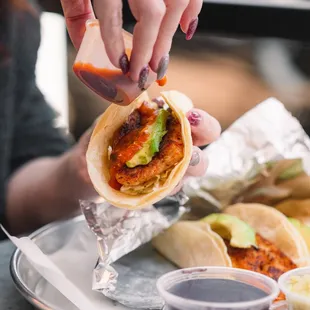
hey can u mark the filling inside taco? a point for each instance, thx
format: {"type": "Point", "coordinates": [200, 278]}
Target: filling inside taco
{"type": "Point", "coordinates": [145, 149]}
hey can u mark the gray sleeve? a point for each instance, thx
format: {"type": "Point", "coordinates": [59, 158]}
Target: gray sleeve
{"type": "Point", "coordinates": [35, 131]}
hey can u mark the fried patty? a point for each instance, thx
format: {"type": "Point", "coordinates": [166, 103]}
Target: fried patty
{"type": "Point", "coordinates": [171, 151]}
{"type": "Point", "coordinates": [267, 259]}
{"type": "Point", "coordinates": [133, 122]}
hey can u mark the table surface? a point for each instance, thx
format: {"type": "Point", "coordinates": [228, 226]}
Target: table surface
{"type": "Point", "coordinates": [10, 298]}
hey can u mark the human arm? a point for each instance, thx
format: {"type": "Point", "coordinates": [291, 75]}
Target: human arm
{"type": "Point", "coordinates": [46, 181]}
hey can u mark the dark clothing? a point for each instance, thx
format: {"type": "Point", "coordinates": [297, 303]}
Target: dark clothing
{"type": "Point", "coordinates": [26, 121]}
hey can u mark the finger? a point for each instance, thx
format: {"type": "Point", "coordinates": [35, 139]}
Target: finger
{"type": "Point", "coordinates": [198, 164]}
{"type": "Point", "coordinates": [205, 128]}
{"type": "Point", "coordinates": [110, 17]}
{"type": "Point", "coordinates": [169, 25]}
{"type": "Point", "coordinates": [189, 20]}
{"type": "Point", "coordinates": [77, 12]}
{"type": "Point", "coordinates": [149, 18]}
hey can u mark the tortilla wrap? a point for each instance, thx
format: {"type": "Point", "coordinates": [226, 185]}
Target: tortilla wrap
{"type": "Point", "coordinates": [192, 244]}
{"type": "Point", "coordinates": [275, 227]}
{"type": "Point", "coordinates": [97, 155]}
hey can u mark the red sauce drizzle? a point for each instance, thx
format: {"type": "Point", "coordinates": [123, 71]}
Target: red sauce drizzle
{"type": "Point", "coordinates": [131, 143]}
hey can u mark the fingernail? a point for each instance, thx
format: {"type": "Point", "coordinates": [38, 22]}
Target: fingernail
{"type": "Point", "coordinates": [192, 29]}
{"type": "Point", "coordinates": [194, 118]}
{"type": "Point", "coordinates": [124, 63]}
{"type": "Point", "coordinates": [195, 159]}
{"type": "Point", "coordinates": [162, 67]}
{"type": "Point", "coordinates": [143, 77]}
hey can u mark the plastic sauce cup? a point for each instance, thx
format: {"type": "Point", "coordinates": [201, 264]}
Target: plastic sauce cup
{"type": "Point", "coordinates": [93, 67]}
{"type": "Point", "coordinates": [166, 286]}
{"type": "Point", "coordinates": [295, 301]}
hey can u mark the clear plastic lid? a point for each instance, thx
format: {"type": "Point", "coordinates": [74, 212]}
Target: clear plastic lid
{"type": "Point", "coordinates": [268, 288]}
{"type": "Point", "coordinates": [94, 69]}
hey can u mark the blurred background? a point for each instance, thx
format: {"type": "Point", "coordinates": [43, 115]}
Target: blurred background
{"type": "Point", "coordinates": [243, 52]}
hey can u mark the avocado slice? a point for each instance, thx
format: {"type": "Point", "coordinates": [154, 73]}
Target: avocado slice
{"type": "Point", "coordinates": [303, 229]}
{"type": "Point", "coordinates": [156, 132]}
{"type": "Point", "coordinates": [240, 234]}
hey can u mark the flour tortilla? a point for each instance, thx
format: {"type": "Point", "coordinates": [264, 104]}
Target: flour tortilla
{"type": "Point", "coordinates": [192, 244]}
{"type": "Point", "coordinates": [98, 159]}
{"type": "Point", "coordinates": [274, 227]}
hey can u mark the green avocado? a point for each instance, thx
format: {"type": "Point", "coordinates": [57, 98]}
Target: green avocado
{"type": "Point", "coordinates": [240, 234]}
{"type": "Point", "coordinates": [303, 229]}
{"type": "Point", "coordinates": [156, 132]}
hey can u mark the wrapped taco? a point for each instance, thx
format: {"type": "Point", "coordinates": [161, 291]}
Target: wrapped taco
{"type": "Point", "coordinates": [271, 246]}
{"type": "Point", "coordinates": [139, 153]}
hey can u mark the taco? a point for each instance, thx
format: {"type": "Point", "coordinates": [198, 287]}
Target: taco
{"type": "Point", "coordinates": [298, 213]}
{"type": "Point", "coordinates": [231, 240]}
{"type": "Point", "coordinates": [139, 153]}
{"type": "Point", "coordinates": [275, 227]}
{"type": "Point", "coordinates": [303, 229]}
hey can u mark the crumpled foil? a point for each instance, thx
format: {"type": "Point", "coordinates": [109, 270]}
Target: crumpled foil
{"type": "Point", "coordinates": [121, 231]}
{"type": "Point", "coordinates": [266, 133]}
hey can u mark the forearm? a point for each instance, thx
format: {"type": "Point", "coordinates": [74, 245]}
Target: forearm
{"type": "Point", "coordinates": [44, 190]}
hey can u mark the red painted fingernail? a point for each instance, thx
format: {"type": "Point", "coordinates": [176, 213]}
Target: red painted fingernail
{"type": "Point", "coordinates": [194, 118]}
{"type": "Point", "coordinates": [192, 29]}
{"type": "Point", "coordinates": [143, 77]}
{"type": "Point", "coordinates": [124, 63]}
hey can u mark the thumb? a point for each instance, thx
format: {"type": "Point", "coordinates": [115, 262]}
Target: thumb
{"type": "Point", "coordinates": [84, 140]}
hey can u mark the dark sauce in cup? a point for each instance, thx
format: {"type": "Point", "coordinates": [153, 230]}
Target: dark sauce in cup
{"type": "Point", "coordinates": [216, 290]}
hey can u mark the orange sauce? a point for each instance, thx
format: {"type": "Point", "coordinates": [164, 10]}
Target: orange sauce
{"type": "Point", "coordinates": [102, 72]}
{"type": "Point", "coordinates": [163, 81]}
{"type": "Point", "coordinates": [102, 81]}
{"type": "Point", "coordinates": [130, 144]}
{"type": "Point", "coordinates": [110, 84]}
{"type": "Point", "coordinates": [108, 73]}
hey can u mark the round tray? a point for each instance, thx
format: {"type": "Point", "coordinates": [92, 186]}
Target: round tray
{"type": "Point", "coordinates": [52, 240]}
{"type": "Point", "coordinates": [54, 237]}
{"type": "Point", "coordinates": [49, 238]}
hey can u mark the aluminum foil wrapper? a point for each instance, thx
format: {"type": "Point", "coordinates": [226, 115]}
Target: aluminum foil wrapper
{"type": "Point", "coordinates": [121, 231]}
{"type": "Point", "coordinates": [266, 133]}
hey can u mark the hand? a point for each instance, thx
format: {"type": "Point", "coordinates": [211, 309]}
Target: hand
{"type": "Point", "coordinates": [157, 22]}
{"type": "Point", "coordinates": [205, 129]}
{"type": "Point", "coordinates": [78, 159]}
